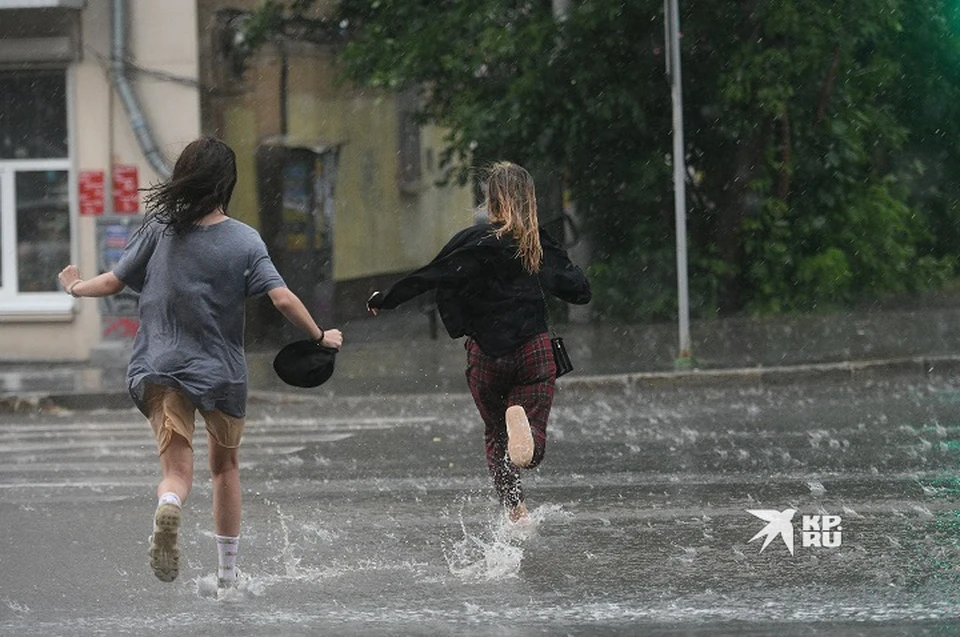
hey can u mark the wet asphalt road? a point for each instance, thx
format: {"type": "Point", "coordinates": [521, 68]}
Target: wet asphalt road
{"type": "Point", "coordinates": [374, 516]}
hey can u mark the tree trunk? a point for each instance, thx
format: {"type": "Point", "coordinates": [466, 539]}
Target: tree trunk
{"type": "Point", "coordinates": [731, 211]}
{"type": "Point", "coordinates": [828, 83]}
{"type": "Point", "coordinates": [786, 155]}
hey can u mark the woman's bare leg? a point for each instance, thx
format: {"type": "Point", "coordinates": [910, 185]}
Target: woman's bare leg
{"type": "Point", "coordinates": [227, 499]}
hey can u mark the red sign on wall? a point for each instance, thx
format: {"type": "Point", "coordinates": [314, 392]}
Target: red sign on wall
{"type": "Point", "coordinates": [91, 192]}
{"type": "Point", "coordinates": [126, 198]}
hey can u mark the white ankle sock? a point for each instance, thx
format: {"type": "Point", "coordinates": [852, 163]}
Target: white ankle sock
{"type": "Point", "coordinates": [170, 498]}
{"type": "Point", "coordinates": [227, 549]}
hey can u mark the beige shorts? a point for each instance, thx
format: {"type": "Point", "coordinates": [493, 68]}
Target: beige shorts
{"type": "Point", "coordinates": [171, 412]}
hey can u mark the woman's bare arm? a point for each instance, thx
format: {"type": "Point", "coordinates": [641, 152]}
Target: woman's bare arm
{"type": "Point", "coordinates": [101, 285]}
{"type": "Point", "coordinates": [290, 305]}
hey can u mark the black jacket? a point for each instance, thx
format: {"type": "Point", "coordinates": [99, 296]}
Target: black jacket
{"type": "Point", "coordinates": [484, 292]}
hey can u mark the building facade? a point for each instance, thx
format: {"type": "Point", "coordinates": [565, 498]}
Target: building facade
{"type": "Point", "coordinates": [340, 180]}
{"type": "Point", "coordinates": [97, 99]}
{"type": "Point", "coordinates": [84, 87]}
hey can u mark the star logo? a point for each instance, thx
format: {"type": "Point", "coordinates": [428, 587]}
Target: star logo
{"type": "Point", "coordinates": [778, 523]}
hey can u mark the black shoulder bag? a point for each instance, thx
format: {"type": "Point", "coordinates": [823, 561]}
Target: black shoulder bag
{"type": "Point", "coordinates": [560, 357]}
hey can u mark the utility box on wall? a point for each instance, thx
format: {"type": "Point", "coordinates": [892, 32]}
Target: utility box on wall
{"type": "Point", "coordinates": [296, 185]}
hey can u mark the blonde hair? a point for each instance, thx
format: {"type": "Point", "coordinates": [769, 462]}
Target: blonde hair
{"type": "Point", "coordinates": [512, 202]}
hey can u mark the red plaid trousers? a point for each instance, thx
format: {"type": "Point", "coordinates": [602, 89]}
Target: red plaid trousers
{"type": "Point", "coordinates": [524, 377]}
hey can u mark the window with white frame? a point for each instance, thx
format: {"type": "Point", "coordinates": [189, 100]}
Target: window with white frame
{"type": "Point", "coordinates": [35, 179]}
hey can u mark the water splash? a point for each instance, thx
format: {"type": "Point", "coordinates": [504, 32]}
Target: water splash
{"type": "Point", "coordinates": [486, 555]}
{"type": "Point", "coordinates": [291, 561]}
{"type": "Point", "coordinates": [552, 512]}
{"type": "Point", "coordinates": [19, 608]}
{"type": "Point", "coordinates": [473, 558]}
{"type": "Point", "coordinates": [816, 488]}
{"type": "Point", "coordinates": [246, 588]}
{"type": "Point", "coordinates": [496, 551]}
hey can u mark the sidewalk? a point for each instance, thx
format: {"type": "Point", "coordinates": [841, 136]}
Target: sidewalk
{"type": "Point", "coordinates": [395, 353]}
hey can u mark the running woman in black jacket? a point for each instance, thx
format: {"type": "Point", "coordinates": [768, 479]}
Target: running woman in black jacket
{"type": "Point", "coordinates": [491, 281]}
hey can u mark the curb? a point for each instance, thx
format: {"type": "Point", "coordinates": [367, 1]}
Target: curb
{"type": "Point", "coordinates": [926, 367]}
{"type": "Point", "coordinates": [48, 403]}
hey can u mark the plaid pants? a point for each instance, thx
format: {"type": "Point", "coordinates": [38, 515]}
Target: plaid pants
{"type": "Point", "coordinates": [524, 377]}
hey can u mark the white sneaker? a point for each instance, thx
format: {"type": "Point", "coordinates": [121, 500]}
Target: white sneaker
{"type": "Point", "coordinates": [229, 583]}
{"type": "Point", "coordinates": [164, 553]}
{"type": "Point", "coordinates": [519, 436]}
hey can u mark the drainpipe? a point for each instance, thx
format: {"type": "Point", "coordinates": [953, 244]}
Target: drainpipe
{"type": "Point", "coordinates": [131, 104]}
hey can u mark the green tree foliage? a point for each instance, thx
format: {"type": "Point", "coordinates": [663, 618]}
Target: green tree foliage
{"type": "Point", "coordinates": [819, 134]}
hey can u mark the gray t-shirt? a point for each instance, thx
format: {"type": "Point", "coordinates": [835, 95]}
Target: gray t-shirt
{"type": "Point", "coordinates": [193, 290]}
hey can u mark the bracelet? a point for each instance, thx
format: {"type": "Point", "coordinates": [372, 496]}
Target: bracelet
{"type": "Point", "coordinates": [322, 333]}
{"type": "Point", "coordinates": [73, 285]}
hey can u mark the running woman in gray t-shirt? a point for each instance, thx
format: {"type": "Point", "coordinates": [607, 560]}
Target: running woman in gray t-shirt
{"type": "Point", "coordinates": [194, 268]}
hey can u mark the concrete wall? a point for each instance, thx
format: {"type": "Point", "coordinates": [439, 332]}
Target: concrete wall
{"type": "Point", "coordinates": [378, 228]}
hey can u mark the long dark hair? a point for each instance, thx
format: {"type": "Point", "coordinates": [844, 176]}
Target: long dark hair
{"type": "Point", "coordinates": [203, 180]}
